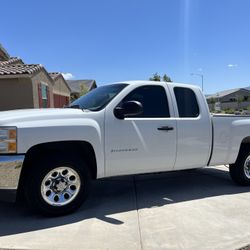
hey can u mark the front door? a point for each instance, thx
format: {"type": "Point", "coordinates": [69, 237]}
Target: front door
{"type": "Point", "coordinates": [141, 144]}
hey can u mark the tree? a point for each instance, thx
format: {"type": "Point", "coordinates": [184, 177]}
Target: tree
{"type": "Point", "coordinates": [157, 78]}
{"type": "Point", "coordinates": [211, 101]}
{"type": "Point", "coordinates": [239, 100]}
{"type": "Point", "coordinates": [83, 89]}
{"type": "Point", "coordinates": [166, 78]}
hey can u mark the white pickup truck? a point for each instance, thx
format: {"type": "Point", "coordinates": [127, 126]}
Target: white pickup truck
{"type": "Point", "coordinates": [51, 155]}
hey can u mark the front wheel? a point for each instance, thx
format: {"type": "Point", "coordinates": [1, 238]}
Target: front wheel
{"type": "Point", "coordinates": [57, 186]}
{"type": "Point", "coordinates": [240, 170]}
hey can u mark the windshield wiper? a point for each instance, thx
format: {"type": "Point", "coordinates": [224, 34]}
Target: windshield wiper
{"type": "Point", "coordinates": [76, 106]}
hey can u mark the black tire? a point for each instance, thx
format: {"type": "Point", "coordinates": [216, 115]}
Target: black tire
{"type": "Point", "coordinates": [39, 171]}
{"type": "Point", "coordinates": [237, 170]}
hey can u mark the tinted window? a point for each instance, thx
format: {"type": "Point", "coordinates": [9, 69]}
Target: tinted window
{"type": "Point", "coordinates": [186, 102]}
{"type": "Point", "coordinates": [153, 100]}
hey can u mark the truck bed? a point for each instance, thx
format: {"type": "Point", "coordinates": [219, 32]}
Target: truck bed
{"type": "Point", "coordinates": [228, 131]}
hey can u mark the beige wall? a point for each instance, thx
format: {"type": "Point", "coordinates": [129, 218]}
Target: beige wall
{"type": "Point", "coordinates": [20, 93]}
{"type": "Point", "coordinates": [41, 76]}
{"type": "Point", "coordinates": [60, 87]}
{"type": "Point", "coordinates": [15, 93]}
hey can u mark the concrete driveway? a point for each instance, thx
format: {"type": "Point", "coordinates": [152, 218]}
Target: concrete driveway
{"type": "Point", "coordinates": [199, 209]}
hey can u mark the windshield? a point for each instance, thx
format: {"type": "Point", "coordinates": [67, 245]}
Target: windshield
{"type": "Point", "coordinates": [98, 98]}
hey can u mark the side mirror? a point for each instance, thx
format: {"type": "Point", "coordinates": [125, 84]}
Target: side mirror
{"type": "Point", "coordinates": [130, 108]}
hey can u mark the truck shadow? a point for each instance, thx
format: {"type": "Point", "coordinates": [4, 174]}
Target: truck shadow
{"type": "Point", "coordinates": [123, 194]}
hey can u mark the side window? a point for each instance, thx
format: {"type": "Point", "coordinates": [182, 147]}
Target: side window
{"type": "Point", "coordinates": [186, 102]}
{"type": "Point", "coordinates": [44, 95]}
{"type": "Point", "coordinates": [153, 100]}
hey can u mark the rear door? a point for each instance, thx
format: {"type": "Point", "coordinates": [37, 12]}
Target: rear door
{"type": "Point", "coordinates": [194, 136]}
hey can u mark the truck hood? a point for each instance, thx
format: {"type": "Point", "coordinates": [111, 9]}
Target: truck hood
{"type": "Point", "coordinates": [28, 115]}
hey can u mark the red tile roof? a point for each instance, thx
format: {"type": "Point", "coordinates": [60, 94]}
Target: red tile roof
{"type": "Point", "coordinates": [12, 60]}
{"type": "Point", "coordinates": [19, 69]}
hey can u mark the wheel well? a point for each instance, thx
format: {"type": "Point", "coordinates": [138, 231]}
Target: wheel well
{"type": "Point", "coordinates": [245, 144]}
{"type": "Point", "coordinates": [79, 148]}
{"type": "Point", "coordinates": [246, 140]}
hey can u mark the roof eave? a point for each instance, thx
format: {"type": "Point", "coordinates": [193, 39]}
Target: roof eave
{"type": "Point", "coordinates": [16, 76]}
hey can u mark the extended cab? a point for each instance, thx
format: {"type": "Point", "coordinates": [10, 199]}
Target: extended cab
{"type": "Point", "coordinates": [52, 155]}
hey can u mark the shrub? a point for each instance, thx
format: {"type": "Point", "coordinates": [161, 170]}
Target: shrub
{"type": "Point", "coordinates": [229, 111]}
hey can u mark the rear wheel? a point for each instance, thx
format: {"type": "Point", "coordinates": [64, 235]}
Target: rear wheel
{"type": "Point", "coordinates": [240, 170]}
{"type": "Point", "coordinates": [57, 186]}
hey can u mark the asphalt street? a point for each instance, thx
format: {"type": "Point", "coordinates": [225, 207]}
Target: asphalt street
{"type": "Point", "coordinates": [197, 209]}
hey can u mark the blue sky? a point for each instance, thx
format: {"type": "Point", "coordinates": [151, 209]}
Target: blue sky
{"type": "Point", "coordinates": [116, 40]}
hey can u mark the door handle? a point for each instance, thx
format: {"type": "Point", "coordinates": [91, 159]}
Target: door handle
{"type": "Point", "coordinates": [165, 128]}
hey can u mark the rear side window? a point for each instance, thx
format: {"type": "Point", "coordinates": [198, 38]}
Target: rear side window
{"type": "Point", "coordinates": [153, 99]}
{"type": "Point", "coordinates": [186, 102]}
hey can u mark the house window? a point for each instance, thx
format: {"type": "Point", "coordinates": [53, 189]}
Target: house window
{"type": "Point", "coordinates": [43, 92]}
{"type": "Point", "coordinates": [44, 96]}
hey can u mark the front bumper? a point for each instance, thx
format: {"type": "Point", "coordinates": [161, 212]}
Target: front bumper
{"type": "Point", "coordinates": [10, 170]}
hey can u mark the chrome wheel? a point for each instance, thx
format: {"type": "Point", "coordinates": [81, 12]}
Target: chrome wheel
{"type": "Point", "coordinates": [60, 186]}
{"type": "Point", "coordinates": [247, 167]}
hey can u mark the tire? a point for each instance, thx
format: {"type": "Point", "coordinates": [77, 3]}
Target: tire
{"type": "Point", "coordinates": [240, 170]}
{"type": "Point", "coordinates": [57, 185]}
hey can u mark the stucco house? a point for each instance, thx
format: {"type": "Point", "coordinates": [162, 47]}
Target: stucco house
{"type": "Point", "coordinates": [24, 86]}
{"type": "Point", "coordinates": [3, 53]}
{"type": "Point", "coordinates": [29, 85]}
{"type": "Point", "coordinates": [230, 99]}
{"type": "Point", "coordinates": [61, 90]}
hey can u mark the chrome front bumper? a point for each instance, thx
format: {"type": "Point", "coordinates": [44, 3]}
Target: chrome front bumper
{"type": "Point", "coordinates": [10, 170]}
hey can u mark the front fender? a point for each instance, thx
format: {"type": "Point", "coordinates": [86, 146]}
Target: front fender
{"type": "Point", "coordinates": [88, 130]}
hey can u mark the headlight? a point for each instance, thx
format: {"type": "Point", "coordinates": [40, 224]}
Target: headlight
{"type": "Point", "coordinates": [8, 140]}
